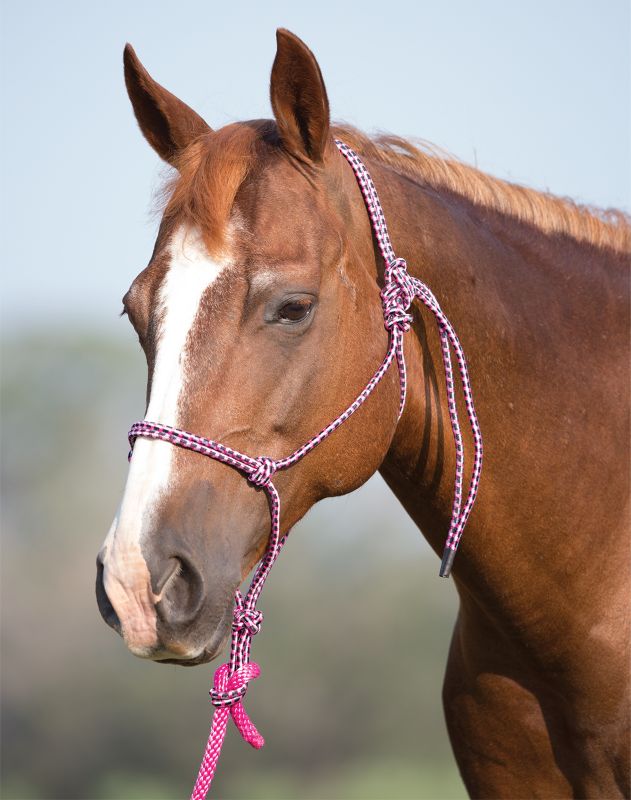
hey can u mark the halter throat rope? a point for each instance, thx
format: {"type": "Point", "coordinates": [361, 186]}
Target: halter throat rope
{"type": "Point", "coordinates": [399, 291]}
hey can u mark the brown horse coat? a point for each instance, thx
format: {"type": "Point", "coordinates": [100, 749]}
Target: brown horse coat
{"type": "Point", "coordinates": [536, 693]}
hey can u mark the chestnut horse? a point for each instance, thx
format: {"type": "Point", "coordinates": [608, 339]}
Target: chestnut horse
{"type": "Point", "coordinates": [260, 318]}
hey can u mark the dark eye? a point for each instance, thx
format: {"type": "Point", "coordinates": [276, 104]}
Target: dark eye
{"type": "Point", "coordinates": [295, 311]}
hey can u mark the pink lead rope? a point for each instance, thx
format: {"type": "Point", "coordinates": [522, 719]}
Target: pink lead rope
{"type": "Point", "coordinates": [399, 291]}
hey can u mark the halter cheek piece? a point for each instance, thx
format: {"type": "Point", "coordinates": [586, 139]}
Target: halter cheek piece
{"type": "Point", "coordinates": [399, 291]}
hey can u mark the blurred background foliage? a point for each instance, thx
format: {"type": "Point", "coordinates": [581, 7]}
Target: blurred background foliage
{"type": "Point", "coordinates": [353, 650]}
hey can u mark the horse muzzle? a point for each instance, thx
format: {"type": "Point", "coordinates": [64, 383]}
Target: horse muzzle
{"type": "Point", "coordinates": [171, 618]}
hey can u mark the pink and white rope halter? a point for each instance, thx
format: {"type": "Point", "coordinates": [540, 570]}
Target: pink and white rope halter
{"type": "Point", "coordinates": [399, 291]}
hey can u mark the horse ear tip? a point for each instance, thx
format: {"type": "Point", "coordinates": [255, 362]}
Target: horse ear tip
{"type": "Point", "coordinates": [287, 38]}
{"type": "Point", "coordinates": [129, 55]}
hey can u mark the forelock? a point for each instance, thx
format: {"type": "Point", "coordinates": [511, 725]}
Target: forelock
{"type": "Point", "coordinates": [210, 172]}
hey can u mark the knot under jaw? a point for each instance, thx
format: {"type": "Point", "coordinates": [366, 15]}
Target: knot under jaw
{"type": "Point", "coordinates": [264, 472]}
{"type": "Point", "coordinates": [248, 618]}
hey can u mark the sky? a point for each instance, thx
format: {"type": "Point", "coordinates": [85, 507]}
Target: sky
{"type": "Point", "coordinates": [536, 92]}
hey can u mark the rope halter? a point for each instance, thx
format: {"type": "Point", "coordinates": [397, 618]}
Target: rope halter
{"type": "Point", "coordinates": [399, 291]}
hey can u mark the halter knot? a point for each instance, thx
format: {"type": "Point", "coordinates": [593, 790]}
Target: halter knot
{"type": "Point", "coordinates": [397, 296]}
{"type": "Point", "coordinates": [264, 472]}
{"type": "Point", "coordinates": [248, 618]}
{"type": "Point", "coordinates": [230, 689]}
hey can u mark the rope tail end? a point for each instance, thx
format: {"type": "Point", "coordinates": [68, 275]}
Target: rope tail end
{"type": "Point", "coordinates": [446, 564]}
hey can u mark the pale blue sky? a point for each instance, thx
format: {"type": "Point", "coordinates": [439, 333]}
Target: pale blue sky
{"type": "Point", "coordinates": [537, 92]}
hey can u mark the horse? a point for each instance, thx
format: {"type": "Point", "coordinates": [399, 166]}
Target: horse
{"type": "Point", "coordinates": [259, 314]}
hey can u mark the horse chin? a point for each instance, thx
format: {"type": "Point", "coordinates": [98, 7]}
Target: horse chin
{"type": "Point", "coordinates": [193, 657]}
{"type": "Point", "coordinates": [203, 658]}
{"type": "Point", "coordinates": [181, 656]}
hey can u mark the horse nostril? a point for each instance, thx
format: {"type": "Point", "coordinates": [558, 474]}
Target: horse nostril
{"type": "Point", "coordinates": [182, 593]}
{"type": "Point", "coordinates": [105, 607]}
{"type": "Point", "coordinates": [173, 569]}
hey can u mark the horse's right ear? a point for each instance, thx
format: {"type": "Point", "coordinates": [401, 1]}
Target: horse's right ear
{"type": "Point", "coordinates": [168, 124]}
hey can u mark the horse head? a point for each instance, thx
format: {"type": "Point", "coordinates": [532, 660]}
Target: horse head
{"type": "Point", "coordinates": [260, 319]}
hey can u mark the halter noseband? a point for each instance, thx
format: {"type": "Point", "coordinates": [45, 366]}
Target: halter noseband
{"type": "Point", "coordinates": [399, 291]}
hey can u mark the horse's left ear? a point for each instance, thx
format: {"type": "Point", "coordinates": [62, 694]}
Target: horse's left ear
{"type": "Point", "coordinates": [299, 99]}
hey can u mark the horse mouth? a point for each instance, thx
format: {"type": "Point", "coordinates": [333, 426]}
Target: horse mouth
{"type": "Point", "coordinates": [203, 658]}
{"type": "Point", "coordinates": [179, 655]}
{"type": "Point", "coordinates": [207, 653]}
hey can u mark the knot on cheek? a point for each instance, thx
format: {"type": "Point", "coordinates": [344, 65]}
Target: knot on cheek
{"type": "Point", "coordinates": [397, 296]}
{"type": "Point", "coordinates": [264, 472]}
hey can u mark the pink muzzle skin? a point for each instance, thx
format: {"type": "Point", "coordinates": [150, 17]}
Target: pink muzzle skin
{"type": "Point", "coordinates": [399, 292]}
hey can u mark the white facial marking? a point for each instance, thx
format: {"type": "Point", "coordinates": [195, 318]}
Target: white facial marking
{"type": "Point", "coordinates": [126, 576]}
{"type": "Point", "coordinates": [262, 280]}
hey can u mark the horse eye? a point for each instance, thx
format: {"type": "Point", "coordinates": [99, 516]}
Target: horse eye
{"type": "Point", "coordinates": [295, 311]}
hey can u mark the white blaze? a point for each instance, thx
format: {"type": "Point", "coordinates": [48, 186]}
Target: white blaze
{"type": "Point", "coordinates": [126, 576]}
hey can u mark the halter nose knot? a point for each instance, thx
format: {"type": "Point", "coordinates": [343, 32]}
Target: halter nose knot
{"type": "Point", "coordinates": [230, 689]}
{"type": "Point", "coordinates": [248, 618]}
{"type": "Point", "coordinates": [264, 472]}
{"type": "Point", "coordinates": [397, 296]}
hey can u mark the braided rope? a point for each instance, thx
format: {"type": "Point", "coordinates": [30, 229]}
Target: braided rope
{"type": "Point", "coordinates": [399, 291]}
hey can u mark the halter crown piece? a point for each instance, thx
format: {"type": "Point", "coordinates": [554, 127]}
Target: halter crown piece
{"type": "Point", "coordinates": [399, 291]}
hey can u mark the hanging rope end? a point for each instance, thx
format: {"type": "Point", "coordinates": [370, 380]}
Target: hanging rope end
{"type": "Point", "coordinates": [447, 562]}
{"type": "Point", "coordinates": [257, 741]}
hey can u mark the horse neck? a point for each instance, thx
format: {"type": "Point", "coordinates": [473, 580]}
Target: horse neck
{"type": "Point", "coordinates": [420, 465]}
{"type": "Point", "coordinates": [493, 277]}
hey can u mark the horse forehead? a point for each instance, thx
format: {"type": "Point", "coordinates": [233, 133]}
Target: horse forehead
{"type": "Point", "coordinates": [285, 246]}
{"type": "Point", "coordinates": [278, 219]}
{"type": "Point", "coordinates": [281, 205]}
{"type": "Point", "coordinates": [191, 271]}
{"type": "Point", "coordinates": [187, 252]}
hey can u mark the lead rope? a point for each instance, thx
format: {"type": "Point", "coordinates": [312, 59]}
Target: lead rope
{"type": "Point", "coordinates": [399, 291]}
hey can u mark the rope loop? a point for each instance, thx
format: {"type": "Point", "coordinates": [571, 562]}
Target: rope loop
{"type": "Point", "coordinates": [229, 689]}
{"type": "Point", "coordinates": [398, 319]}
{"type": "Point", "coordinates": [264, 472]}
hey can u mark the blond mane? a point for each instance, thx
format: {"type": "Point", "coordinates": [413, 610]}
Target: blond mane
{"type": "Point", "coordinates": [211, 170]}
{"type": "Point", "coordinates": [424, 163]}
